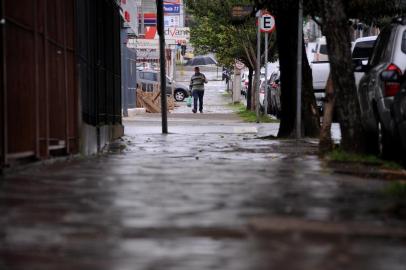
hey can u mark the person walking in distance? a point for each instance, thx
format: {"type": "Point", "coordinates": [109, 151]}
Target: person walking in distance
{"type": "Point", "coordinates": [197, 86]}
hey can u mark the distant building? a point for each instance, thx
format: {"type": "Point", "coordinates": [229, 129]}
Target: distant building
{"type": "Point", "coordinates": [174, 14]}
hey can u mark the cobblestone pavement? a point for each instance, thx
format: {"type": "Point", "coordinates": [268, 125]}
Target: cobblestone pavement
{"type": "Point", "coordinates": [210, 195]}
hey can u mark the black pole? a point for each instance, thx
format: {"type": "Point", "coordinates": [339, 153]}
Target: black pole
{"type": "Point", "coordinates": [299, 72]}
{"type": "Point", "coordinates": [3, 89]}
{"type": "Point", "coordinates": [160, 24]}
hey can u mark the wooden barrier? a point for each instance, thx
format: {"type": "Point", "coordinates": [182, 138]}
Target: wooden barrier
{"type": "Point", "coordinates": [151, 101]}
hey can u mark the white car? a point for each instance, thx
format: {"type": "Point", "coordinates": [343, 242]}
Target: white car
{"type": "Point", "coordinates": [262, 86]}
{"type": "Point", "coordinates": [361, 51]}
{"type": "Point", "coordinates": [320, 52]}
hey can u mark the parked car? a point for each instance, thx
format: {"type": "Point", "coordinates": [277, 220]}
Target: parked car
{"type": "Point", "coordinates": [320, 52]}
{"type": "Point", "coordinates": [398, 110]}
{"type": "Point", "coordinates": [147, 80]}
{"type": "Point", "coordinates": [320, 72]}
{"type": "Point", "coordinates": [262, 87]}
{"type": "Point", "coordinates": [274, 94]}
{"type": "Point", "coordinates": [361, 51]}
{"type": "Point", "coordinates": [244, 83]}
{"type": "Point", "coordinates": [378, 88]}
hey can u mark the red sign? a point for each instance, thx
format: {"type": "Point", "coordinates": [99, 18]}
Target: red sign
{"type": "Point", "coordinates": [172, 2]}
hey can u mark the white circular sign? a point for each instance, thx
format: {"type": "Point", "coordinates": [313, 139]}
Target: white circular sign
{"type": "Point", "coordinates": [267, 23]}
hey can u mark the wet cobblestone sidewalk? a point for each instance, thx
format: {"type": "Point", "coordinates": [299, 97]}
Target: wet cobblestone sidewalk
{"type": "Point", "coordinates": [187, 202]}
{"type": "Point", "coordinates": [218, 199]}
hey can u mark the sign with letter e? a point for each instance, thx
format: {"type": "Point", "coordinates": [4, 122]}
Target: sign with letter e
{"type": "Point", "coordinates": [267, 23]}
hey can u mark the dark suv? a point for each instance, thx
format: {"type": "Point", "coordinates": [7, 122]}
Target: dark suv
{"type": "Point", "coordinates": [147, 80]}
{"type": "Point", "coordinates": [376, 93]}
{"type": "Point", "coordinates": [399, 114]}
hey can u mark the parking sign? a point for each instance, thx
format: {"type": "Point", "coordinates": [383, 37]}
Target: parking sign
{"type": "Point", "coordinates": [267, 23]}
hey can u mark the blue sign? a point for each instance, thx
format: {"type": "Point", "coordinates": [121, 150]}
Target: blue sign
{"type": "Point", "coordinates": [172, 8]}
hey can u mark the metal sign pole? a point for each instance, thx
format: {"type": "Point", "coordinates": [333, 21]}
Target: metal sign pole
{"type": "Point", "coordinates": [173, 59]}
{"type": "Point", "coordinates": [299, 73]}
{"type": "Point", "coordinates": [258, 66]}
{"type": "Point", "coordinates": [160, 24]}
{"type": "Point", "coordinates": [266, 74]}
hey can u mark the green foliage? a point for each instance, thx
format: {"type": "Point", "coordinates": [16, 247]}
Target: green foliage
{"type": "Point", "coordinates": [212, 31]}
{"type": "Point", "coordinates": [342, 156]}
{"type": "Point", "coordinates": [396, 189]}
{"type": "Point", "coordinates": [250, 116]}
{"type": "Point", "coordinates": [376, 12]}
{"type": "Point", "coordinates": [373, 11]}
{"type": "Point", "coordinates": [227, 94]}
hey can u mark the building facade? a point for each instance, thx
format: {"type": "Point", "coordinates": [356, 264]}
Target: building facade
{"type": "Point", "coordinates": [60, 78]}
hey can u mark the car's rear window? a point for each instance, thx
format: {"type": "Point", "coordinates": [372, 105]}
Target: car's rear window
{"type": "Point", "coordinates": [323, 49]}
{"type": "Point", "coordinates": [150, 76]}
{"type": "Point", "coordinates": [363, 49]}
{"type": "Point", "coordinates": [382, 48]}
{"type": "Point", "coordinates": [404, 42]}
{"type": "Point", "coordinates": [273, 77]}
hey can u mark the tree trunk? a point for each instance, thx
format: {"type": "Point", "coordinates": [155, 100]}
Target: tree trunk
{"type": "Point", "coordinates": [347, 104]}
{"type": "Point", "coordinates": [249, 91]}
{"type": "Point", "coordinates": [286, 25]}
{"type": "Point", "coordinates": [326, 143]}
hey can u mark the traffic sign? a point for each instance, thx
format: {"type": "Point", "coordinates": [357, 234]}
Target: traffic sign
{"type": "Point", "coordinates": [267, 23]}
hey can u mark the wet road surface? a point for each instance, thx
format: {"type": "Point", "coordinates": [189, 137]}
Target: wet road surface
{"type": "Point", "coordinates": [210, 195]}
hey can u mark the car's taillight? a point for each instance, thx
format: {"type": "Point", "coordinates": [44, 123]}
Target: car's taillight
{"type": "Point", "coordinates": [392, 88]}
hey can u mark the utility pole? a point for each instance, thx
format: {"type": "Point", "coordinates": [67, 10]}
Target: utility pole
{"type": "Point", "coordinates": [258, 65]}
{"type": "Point", "coordinates": [299, 73]}
{"type": "Point", "coordinates": [160, 24]}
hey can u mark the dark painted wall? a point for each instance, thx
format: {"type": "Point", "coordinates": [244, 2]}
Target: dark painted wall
{"type": "Point", "coordinates": [99, 59]}
{"type": "Point", "coordinates": [51, 49]}
{"type": "Point", "coordinates": [128, 74]}
{"type": "Point", "coordinates": [39, 87]}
